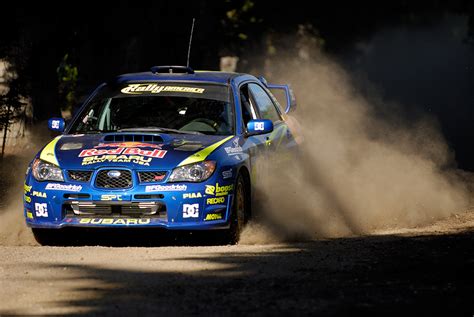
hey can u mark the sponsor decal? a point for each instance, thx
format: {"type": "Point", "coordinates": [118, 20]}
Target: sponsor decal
{"type": "Point", "coordinates": [129, 145]}
{"type": "Point", "coordinates": [29, 214]}
{"type": "Point", "coordinates": [136, 159]}
{"type": "Point", "coordinates": [27, 198]}
{"type": "Point", "coordinates": [219, 190]}
{"type": "Point", "coordinates": [137, 89]}
{"type": "Point", "coordinates": [112, 221]}
{"type": "Point", "coordinates": [259, 126]}
{"type": "Point", "coordinates": [227, 174]}
{"type": "Point", "coordinates": [39, 194]}
{"type": "Point", "coordinates": [41, 209]}
{"type": "Point", "coordinates": [68, 187]}
{"type": "Point", "coordinates": [190, 210]}
{"type": "Point", "coordinates": [192, 195]}
{"type": "Point", "coordinates": [210, 217]}
{"type": "Point", "coordinates": [55, 124]}
{"type": "Point", "coordinates": [158, 178]}
{"type": "Point", "coordinates": [111, 197]}
{"type": "Point", "coordinates": [165, 188]}
{"type": "Point", "coordinates": [27, 188]}
{"type": "Point", "coordinates": [215, 201]}
{"type": "Point", "coordinates": [124, 152]}
{"type": "Point", "coordinates": [235, 149]}
{"type": "Point", "coordinates": [156, 153]}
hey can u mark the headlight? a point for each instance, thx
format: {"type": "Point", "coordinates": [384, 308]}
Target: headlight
{"type": "Point", "coordinates": [197, 172]}
{"type": "Point", "coordinates": [43, 171]}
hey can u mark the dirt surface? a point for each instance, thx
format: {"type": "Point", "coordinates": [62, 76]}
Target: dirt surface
{"type": "Point", "coordinates": [427, 270]}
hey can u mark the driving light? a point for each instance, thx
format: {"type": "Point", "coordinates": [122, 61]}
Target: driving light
{"type": "Point", "coordinates": [197, 172]}
{"type": "Point", "coordinates": [43, 171]}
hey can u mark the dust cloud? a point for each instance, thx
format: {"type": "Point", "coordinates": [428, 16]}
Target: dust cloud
{"type": "Point", "coordinates": [13, 230]}
{"type": "Point", "coordinates": [361, 165]}
{"type": "Point", "coordinates": [358, 169]}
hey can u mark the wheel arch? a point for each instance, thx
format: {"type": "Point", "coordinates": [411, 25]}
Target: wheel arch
{"type": "Point", "coordinates": [243, 170]}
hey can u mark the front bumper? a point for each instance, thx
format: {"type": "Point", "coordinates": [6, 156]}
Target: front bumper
{"type": "Point", "coordinates": [188, 207]}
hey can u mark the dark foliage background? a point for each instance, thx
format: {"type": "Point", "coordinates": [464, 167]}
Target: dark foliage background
{"type": "Point", "coordinates": [408, 50]}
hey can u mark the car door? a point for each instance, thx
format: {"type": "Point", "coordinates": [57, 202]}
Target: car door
{"type": "Point", "coordinates": [277, 140]}
{"type": "Point", "coordinates": [255, 144]}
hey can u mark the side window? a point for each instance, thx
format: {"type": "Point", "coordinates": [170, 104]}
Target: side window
{"type": "Point", "coordinates": [264, 104]}
{"type": "Point", "coordinates": [248, 112]}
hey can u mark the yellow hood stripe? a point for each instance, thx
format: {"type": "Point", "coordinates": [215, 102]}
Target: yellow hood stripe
{"type": "Point", "coordinates": [201, 155]}
{"type": "Point", "coordinates": [48, 154]}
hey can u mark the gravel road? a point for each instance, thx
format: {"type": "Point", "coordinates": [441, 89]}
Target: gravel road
{"type": "Point", "coordinates": [429, 270]}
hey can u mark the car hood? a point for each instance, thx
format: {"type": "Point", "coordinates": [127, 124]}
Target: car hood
{"type": "Point", "coordinates": [133, 150]}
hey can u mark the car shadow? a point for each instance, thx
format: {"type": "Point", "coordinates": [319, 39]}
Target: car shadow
{"type": "Point", "coordinates": [387, 275]}
{"type": "Point", "coordinates": [131, 237]}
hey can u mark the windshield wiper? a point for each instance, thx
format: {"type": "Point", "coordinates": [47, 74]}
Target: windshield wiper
{"type": "Point", "coordinates": [157, 129]}
{"type": "Point", "coordinates": [93, 131]}
{"type": "Point", "coordinates": [88, 132]}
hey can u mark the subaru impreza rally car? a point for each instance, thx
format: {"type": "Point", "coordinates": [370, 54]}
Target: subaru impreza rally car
{"type": "Point", "coordinates": [169, 148]}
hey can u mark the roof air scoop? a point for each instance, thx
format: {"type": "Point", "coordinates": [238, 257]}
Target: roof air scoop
{"type": "Point", "coordinates": [145, 138]}
{"type": "Point", "coordinates": [172, 70]}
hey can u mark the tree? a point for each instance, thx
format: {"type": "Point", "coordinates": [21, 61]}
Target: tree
{"type": "Point", "coordinates": [67, 78]}
{"type": "Point", "coordinates": [12, 108]}
{"type": "Point", "coordinates": [240, 25]}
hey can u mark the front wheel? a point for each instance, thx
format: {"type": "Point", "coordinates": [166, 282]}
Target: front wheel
{"type": "Point", "coordinates": [46, 236]}
{"type": "Point", "coordinates": [240, 212]}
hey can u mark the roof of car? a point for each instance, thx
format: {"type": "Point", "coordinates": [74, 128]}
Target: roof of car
{"type": "Point", "coordinates": [202, 76]}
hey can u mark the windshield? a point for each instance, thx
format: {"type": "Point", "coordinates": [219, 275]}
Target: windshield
{"type": "Point", "coordinates": [162, 107]}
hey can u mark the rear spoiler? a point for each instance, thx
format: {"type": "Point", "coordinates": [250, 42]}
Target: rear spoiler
{"type": "Point", "coordinates": [290, 98]}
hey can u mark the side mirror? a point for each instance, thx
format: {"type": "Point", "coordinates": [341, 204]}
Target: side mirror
{"type": "Point", "coordinates": [255, 127]}
{"type": "Point", "coordinates": [56, 124]}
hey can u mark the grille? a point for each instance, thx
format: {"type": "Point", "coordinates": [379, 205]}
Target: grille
{"type": "Point", "coordinates": [76, 196]}
{"type": "Point", "coordinates": [103, 180]}
{"type": "Point", "coordinates": [140, 209]}
{"type": "Point", "coordinates": [80, 176]}
{"type": "Point", "coordinates": [92, 209]}
{"type": "Point", "coordinates": [151, 177]}
{"type": "Point", "coordinates": [132, 209]}
{"type": "Point", "coordinates": [153, 196]}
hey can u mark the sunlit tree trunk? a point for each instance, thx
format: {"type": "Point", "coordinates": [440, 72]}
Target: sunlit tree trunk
{"type": "Point", "coordinates": [7, 120]}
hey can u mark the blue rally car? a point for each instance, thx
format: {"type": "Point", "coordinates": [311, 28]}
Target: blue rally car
{"type": "Point", "coordinates": [169, 148]}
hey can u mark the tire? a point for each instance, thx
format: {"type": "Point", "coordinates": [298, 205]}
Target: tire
{"type": "Point", "coordinates": [240, 211]}
{"type": "Point", "coordinates": [46, 236]}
